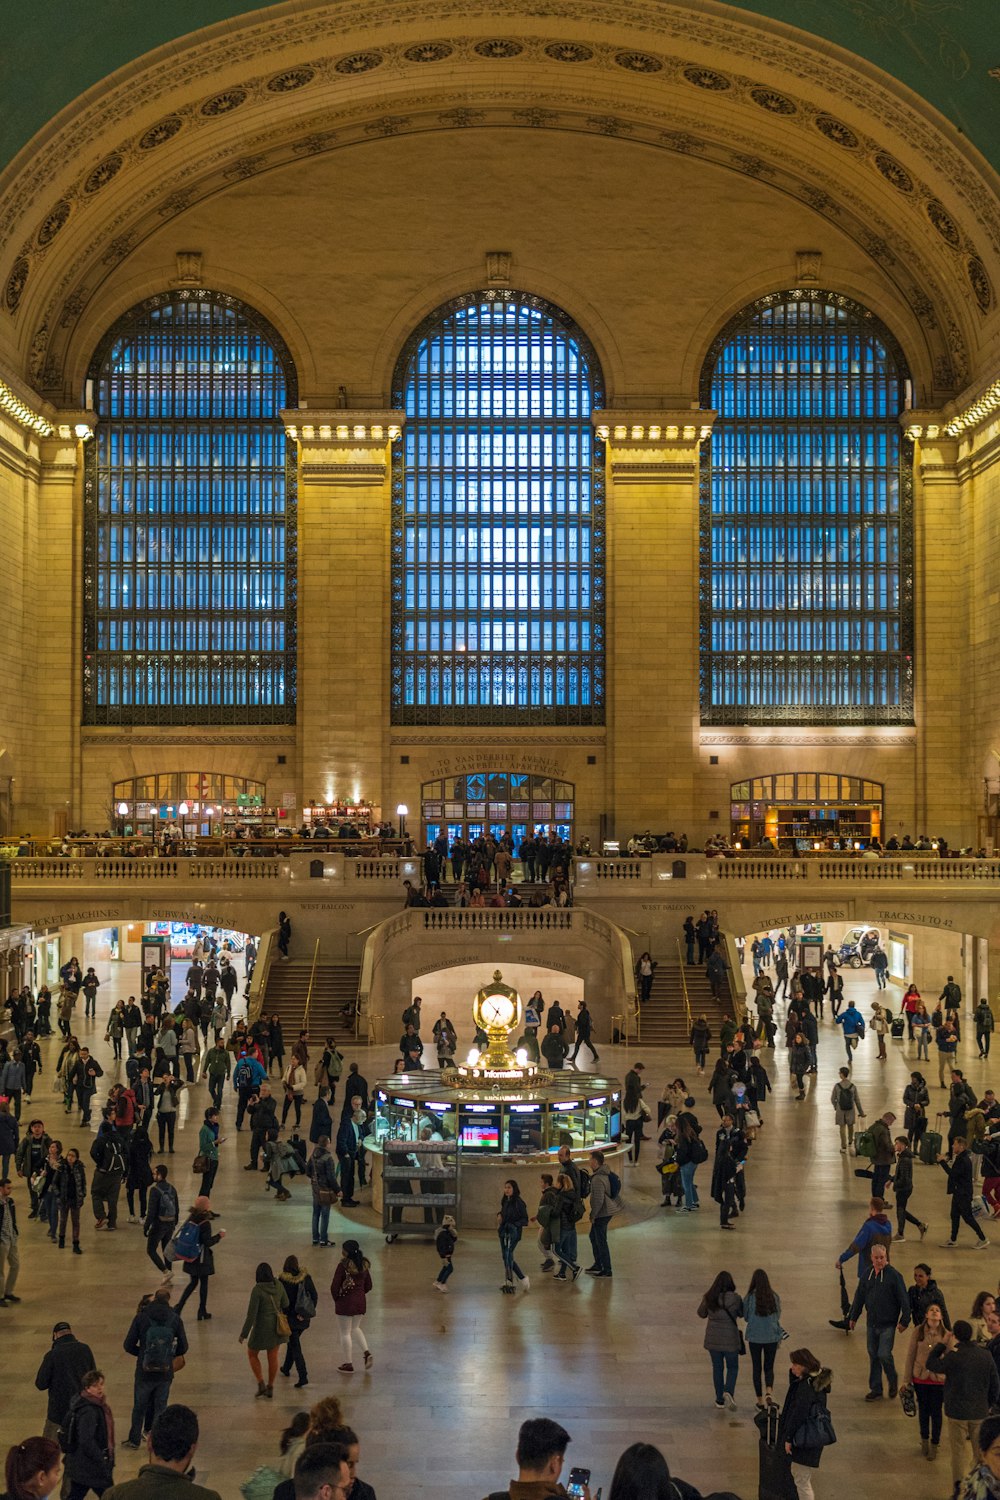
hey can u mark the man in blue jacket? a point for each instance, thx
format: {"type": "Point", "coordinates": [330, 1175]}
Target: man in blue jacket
{"type": "Point", "coordinates": [882, 1294]}
{"type": "Point", "coordinates": [876, 1230]}
{"type": "Point", "coordinates": [853, 1022]}
{"type": "Point", "coordinates": [248, 1075]}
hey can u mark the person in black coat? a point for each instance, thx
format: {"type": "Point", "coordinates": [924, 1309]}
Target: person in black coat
{"type": "Point", "coordinates": [808, 1384]}
{"type": "Point", "coordinates": [201, 1269]}
{"type": "Point", "coordinates": [91, 1460]}
{"type": "Point", "coordinates": [60, 1373]}
{"type": "Point", "coordinates": [959, 1174]}
{"type": "Point", "coordinates": [321, 1123]}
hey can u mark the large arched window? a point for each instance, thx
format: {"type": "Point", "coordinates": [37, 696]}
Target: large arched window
{"type": "Point", "coordinates": [189, 550]}
{"type": "Point", "coordinates": [498, 519]}
{"type": "Point", "coordinates": [806, 519]}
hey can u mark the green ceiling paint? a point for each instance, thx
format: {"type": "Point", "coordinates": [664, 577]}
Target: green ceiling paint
{"type": "Point", "coordinates": [942, 49]}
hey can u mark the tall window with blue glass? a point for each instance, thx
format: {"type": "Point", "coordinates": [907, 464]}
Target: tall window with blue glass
{"type": "Point", "coordinates": [806, 519]}
{"type": "Point", "coordinates": [189, 539]}
{"type": "Point", "coordinates": [498, 519]}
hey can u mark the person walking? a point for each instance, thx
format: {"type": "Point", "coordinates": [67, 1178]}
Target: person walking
{"type": "Point", "coordinates": [802, 1413]}
{"type": "Point", "coordinates": [701, 1039]}
{"type": "Point", "coordinates": [605, 1202]}
{"type": "Point", "coordinates": [202, 1266]}
{"type": "Point", "coordinates": [10, 1260]}
{"type": "Point", "coordinates": [72, 1189]}
{"type": "Point", "coordinates": [110, 1165]}
{"type": "Point", "coordinates": [946, 1042]}
{"type": "Point", "coordinates": [882, 1295]}
{"type": "Point", "coordinates": [916, 1100]}
{"type": "Point", "coordinates": [762, 1314]}
{"type": "Point", "coordinates": [296, 1081]}
{"type": "Point", "coordinates": [883, 1154]}
{"type": "Point", "coordinates": [157, 1341]}
{"type": "Point", "coordinates": [162, 1213]}
{"type": "Point", "coordinates": [984, 1027]}
{"type": "Point", "coordinates": [721, 1306]}
{"type": "Point", "coordinates": [971, 1390]}
{"type": "Point", "coordinates": [265, 1327]}
{"type": "Point", "coordinates": [216, 1066]}
{"type": "Point", "coordinates": [959, 1174]}
{"type": "Point", "coordinates": [584, 1033]}
{"type": "Point", "coordinates": [208, 1151]}
{"type": "Point", "coordinates": [321, 1170]}
{"type": "Point", "coordinates": [922, 1029]}
{"type": "Point", "coordinates": [928, 1388]}
{"type": "Point", "coordinates": [303, 1300]}
{"type": "Point", "coordinates": [852, 1022]}
{"type": "Point", "coordinates": [352, 1281]}
{"type": "Point", "coordinates": [90, 1454]}
{"type": "Point", "coordinates": [847, 1108]}
{"type": "Point", "coordinates": [61, 1373]}
{"type": "Point", "coordinates": [645, 972]}
{"type": "Point", "coordinates": [635, 1112]}
{"type": "Point", "coordinates": [444, 1243]}
{"type": "Point", "coordinates": [880, 1026]}
{"type": "Point", "coordinates": [512, 1220]}
{"type": "Point", "coordinates": [138, 1173]}
{"type": "Point", "coordinates": [903, 1187]}
{"type": "Point", "coordinates": [799, 1062]}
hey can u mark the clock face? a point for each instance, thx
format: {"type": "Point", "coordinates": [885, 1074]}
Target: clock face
{"type": "Point", "coordinates": [498, 1010]}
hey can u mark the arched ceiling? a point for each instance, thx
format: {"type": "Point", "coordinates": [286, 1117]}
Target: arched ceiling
{"type": "Point", "coordinates": [944, 50]}
{"type": "Point", "coordinates": [700, 79]}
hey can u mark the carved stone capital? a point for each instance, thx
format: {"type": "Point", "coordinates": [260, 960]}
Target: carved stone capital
{"type": "Point", "coordinates": [343, 428]}
{"type": "Point", "coordinates": [651, 429]}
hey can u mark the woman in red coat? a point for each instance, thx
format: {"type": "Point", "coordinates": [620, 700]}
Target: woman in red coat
{"type": "Point", "coordinates": [349, 1289]}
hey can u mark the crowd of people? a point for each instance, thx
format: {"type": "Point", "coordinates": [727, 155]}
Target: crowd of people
{"type": "Point", "coordinates": [297, 1128]}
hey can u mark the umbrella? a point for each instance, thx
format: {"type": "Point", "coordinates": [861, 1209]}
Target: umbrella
{"type": "Point", "coordinates": [845, 1306]}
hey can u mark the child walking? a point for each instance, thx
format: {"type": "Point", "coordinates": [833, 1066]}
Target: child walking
{"type": "Point", "coordinates": [444, 1242]}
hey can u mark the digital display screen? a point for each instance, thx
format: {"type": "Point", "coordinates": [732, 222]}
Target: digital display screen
{"type": "Point", "coordinates": [481, 1136]}
{"type": "Point", "coordinates": [615, 1130]}
{"type": "Point", "coordinates": [525, 1130]}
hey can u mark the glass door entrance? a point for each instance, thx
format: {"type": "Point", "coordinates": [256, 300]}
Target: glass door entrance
{"type": "Point", "coordinates": [496, 802]}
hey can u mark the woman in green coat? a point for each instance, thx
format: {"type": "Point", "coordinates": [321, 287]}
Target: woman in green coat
{"type": "Point", "coordinates": [265, 1326]}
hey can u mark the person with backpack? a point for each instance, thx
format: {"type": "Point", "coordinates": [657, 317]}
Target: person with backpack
{"type": "Point", "coordinates": [300, 1289]}
{"type": "Point", "coordinates": [567, 1211]}
{"type": "Point", "coordinates": [605, 1202]}
{"type": "Point", "coordinates": [444, 1243]}
{"type": "Point", "coordinates": [804, 1427]}
{"type": "Point", "coordinates": [984, 1027]}
{"type": "Point", "coordinates": [156, 1339]}
{"type": "Point", "coordinates": [876, 1230]}
{"type": "Point", "coordinates": [248, 1075]}
{"type": "Point", "coordinates": [208, 1151]}
{"type": "Point", "coordinates": [329, 1069]}
{"type": "Point", "coordinates": [108, 1155]}
{"type": "Point", "coordinates": [352, 1281]}
{"type": "Point", "coordinates": [971, 1392]}
{"type": "Point", "coordinates": [847, 1108]}
{"type": "Point", "coordinates": [852, 1022]}
{"type": "Point", "coordinates": [88, 1439]}
{"type": "Point", "coordinates": [162, 1213]}
{"type": "Point", "coordinates": [193, 1246]}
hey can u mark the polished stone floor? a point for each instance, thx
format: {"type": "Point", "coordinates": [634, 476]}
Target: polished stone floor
{"type": "Point", "coordinates": [616, 1362]}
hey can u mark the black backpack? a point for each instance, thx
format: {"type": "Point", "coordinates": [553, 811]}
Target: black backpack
{"type": "Point", "coordinates": [157, 1356]}
{"type": "Point", "coordinates": [846, 1096]}
{"type": "Point", "coordinates": [69, 1432]}
{"type": "Point", "coordinates": [584, 1176]}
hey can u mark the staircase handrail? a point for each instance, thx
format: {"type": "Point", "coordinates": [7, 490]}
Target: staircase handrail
{"type": "Point", "coordinates": [262, 967]}
{"type": "Point", "coordinates": [684, 987]}
{"type": "Point", "coordinates": [309, 991]}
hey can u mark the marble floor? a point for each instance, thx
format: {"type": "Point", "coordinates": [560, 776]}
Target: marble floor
{"type": "Point", "coordinates": [454, 1376]}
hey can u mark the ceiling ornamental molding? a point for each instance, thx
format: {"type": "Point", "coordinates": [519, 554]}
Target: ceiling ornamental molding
{"type": "Point", "coordinates": [95, 738]}
{"type": "Point", "coordinates": [19, 411]}
{"type": "Point", "coordinates": [847, 740]}
{"type": "Point", "coordinates": [664, 428]}
{"type": "Point", "coordinates": [948, 348]}
{"type": "Point", "coordinates": [79, 167]}
{"type": "Point", "coordinates": [310, 425]}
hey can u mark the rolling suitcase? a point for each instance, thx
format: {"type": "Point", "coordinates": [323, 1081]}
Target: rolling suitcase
{"type": "Point", "coordinates": [898, 1026]}
{"type": "Point", "coordinates": [930, 1147]}
{"type": "Point", "coordinates": [775, 1478]}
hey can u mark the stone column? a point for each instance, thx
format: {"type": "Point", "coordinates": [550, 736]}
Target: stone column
{"type": "Point", "coordinates": [941, 635]}
{"type": "Point", "coordinates": [343, 599]}
{"type": "Point", "coordinates": [51, 793]}
{"type": "Point", "coordinates": [652, 613]}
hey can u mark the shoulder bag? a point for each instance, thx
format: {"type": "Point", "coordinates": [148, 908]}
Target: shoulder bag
{"type": "Point", "coordinates": [743, 1342]}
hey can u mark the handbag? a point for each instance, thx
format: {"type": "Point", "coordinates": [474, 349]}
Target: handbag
{"type": "Point", "coordinates": [739, 1330]}
{"type": "Point", "coordinates": [200, 1164]}
{"type": "Point", "coordinates": [283, 1325]}
{"type": "Point", "coordinates": [179, 1362]}
{"type": "Point", "coordinates": [752, 1119]}
{"type": "Point", "coordinates": [908, 1400]}
{"type": "Point", "coordinates": [816, 1431]}
{"type": "Point", "coordinates": [326, 1197]}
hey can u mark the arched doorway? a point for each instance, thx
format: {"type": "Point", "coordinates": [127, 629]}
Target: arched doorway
{"type": "Point", "coordinates": [481, 802]}
{"type": "Point", "coordinates": [803, 810]}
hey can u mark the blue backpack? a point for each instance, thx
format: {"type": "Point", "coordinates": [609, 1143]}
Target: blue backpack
{"type": "Point", "coordinates": [187, 1242]}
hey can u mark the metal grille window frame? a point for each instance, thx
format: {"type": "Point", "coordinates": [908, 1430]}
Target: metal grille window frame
{"type": "Point", "coordinates": [806, 588]}
{"type": "Point", "coordinates": [205, 536]}
{"type": "Point", "coordinates": [529, 648]}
